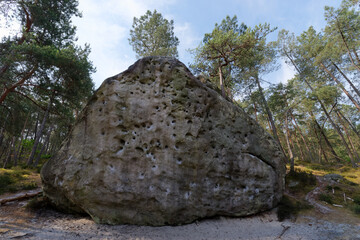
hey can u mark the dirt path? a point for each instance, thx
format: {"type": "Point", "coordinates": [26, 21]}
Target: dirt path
{"type": "Point", "coordinates": [312, 196]}
{"type": "Point", "coordinates": [18, 223]}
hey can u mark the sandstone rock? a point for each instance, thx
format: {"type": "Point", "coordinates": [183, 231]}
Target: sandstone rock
{"type": "Point", "coordinates": [155, 146]}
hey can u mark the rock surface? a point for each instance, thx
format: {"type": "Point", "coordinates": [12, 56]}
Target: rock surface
{"type": "Point", "coordinates": [155, 146]}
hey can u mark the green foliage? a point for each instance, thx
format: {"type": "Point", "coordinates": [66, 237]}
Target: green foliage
{"type": "Point", "coordinates": [5, 180]}
{"type": "Point", "coordinates": [14, 180]}
{"type": "Point", "coordinates": [356, 209]}
{"type": "Point", "coordinates": [38, 65]}
{"type": "Point", "coordinates": [326, 198]}
{"type": "Point", "coordinates": [232, 55]}
{"type": "Point", "coordinates": [29, 186]}
{"type": "Point", "coordinates": [357, 199]}
{"type": "Point", "coordinates": [153, 35]}
{"type": "Point", "coordinates": [304, 177]}
{"type": "Point", "coordinates": [221, 49]}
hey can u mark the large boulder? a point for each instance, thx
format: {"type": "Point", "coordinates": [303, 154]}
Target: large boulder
{"type": "Point", "coordinates": [156, 146]}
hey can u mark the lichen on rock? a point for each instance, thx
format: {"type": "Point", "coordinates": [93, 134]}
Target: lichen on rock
{"type": "Point", "coordinates": [156, 146]}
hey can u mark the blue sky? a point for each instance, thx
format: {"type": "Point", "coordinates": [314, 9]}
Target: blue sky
{"type": "Point", "coordinates": [106, 24]}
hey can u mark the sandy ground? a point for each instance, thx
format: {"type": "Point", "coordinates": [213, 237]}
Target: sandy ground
{"type": "Point", "coordinates": [18, 223]}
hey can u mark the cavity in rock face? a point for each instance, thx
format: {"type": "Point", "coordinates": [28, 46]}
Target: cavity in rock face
{"type": "Point", "coordinates": [155, 146]}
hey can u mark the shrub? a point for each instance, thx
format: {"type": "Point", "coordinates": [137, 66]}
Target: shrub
{"type": "Point", "coordinates": [356, 209]}
{"type": "Point", "coordinates": [326, 198]}
{"type": "Point", "coordinates": [29, 186]}
{"type": "Point", "coordinates": [357, 199]}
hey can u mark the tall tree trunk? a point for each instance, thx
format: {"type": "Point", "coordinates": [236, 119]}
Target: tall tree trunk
{"type": "Point", "coordinates": [287, 136]}
{"type": "Point", "coordinates": [350, 124]}
{"type": "Point", "coordinates": [320, 144]}
{"type": "Point", "coordinates": [16, 152]}
{"type": "Point", "coordinates": [22, 146]}
{"type": "Point", "coordinates": [340, 134]}
{"type": "Point", "coordinates": [346, 45]}
{"type": "Point", "coordinates": [299, 147]}
{"type": "Point", "coordinates": [8, 156]}
{"type": "Point", "coordinates": [341, 86]}
{"type": "Point", "coordinates": [327, 115]}
{"type": "Point", "coordinates": [348, 137]}
{"type": "Point", "coordinates": [221, 82]}
{"type": "Point", "coordinates": [270, 117]}
{"type": "Point", "coordinates": [356, 56]}
{"type": "Point", "coordinates": [326, 139]}
{"type": "Point", "coordinates": [255, 112]}
{"type": "Point", "coordinates": [302, 137]}
{"type": "Point", "coordinates": [2, 130]}
{"type": "Point", "coordinates": [348, 80]}
{"type": "Point", "coordinates": [43, 146]}
{"type": "Point", "coordinates": [38, 135]}
{"type": "Point", "coordinates": [12, 88]}
{"type": "Point", "coordinates": [36, 126]}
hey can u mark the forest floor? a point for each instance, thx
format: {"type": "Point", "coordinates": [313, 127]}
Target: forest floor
{"type": "Point", "coordinates": [324, 219]}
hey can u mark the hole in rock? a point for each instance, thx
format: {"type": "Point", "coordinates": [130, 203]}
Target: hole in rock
{"type": "Point", "coordinates": [179, 160]}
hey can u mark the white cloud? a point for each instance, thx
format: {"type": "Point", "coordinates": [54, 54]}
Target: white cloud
{"type": "Point", "coordinates": [287, 72]}
{"type": "Point", "coordinates": [105, 25]}
{"type": "Point", "coordinates": [188, 38]}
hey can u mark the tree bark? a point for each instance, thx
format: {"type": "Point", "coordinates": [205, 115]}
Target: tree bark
{"type": "Point", "coordinates": [2, 130]}
{"type": "Point", "coordinates": [320, 145]}
{"type": "Point", "coordinates": [348, 137]}
{"type": "Point", "coordinates": [346, 45]}
{"type": "Point", "coordinates": [43, 146]}
{"type": "Point", "coordinates": [341, 86]}
{"type": "Point", "coordinates": [327, 115]}
{"type": "Point", "coordinates": [299, 147]}
{"type": "Point", "coordinates": [287, 136]}
{"type": "Point", "coordinates": [16, 153]}
{"type": "Point", "coordinates": [350, 124]}
{"type": "Point", "coordinates": [347, 79]}
{"type": "Point", "coordinates": [303, 138]}
{"type": "Point", "coordinates": [8, 156]}
{"type": "Point", "coordinates": [6, 91]}
{"type": "Point", "coordinates": [270, 117]}
{"type": "Point", "coordinates": [39, 133]}
{"type": "Point", "coordinates": [255, 112]}
{"type": "Point", "coordinates": [221, 82]}
{"type": "Point", "coordinates": [326, 139]}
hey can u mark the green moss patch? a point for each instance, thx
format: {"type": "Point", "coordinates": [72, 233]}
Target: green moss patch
{"type": "Point", "coordinates": [16, 179]}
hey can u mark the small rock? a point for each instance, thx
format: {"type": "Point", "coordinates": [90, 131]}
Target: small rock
{"type": "Point", "coordinates": [333, 177]}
